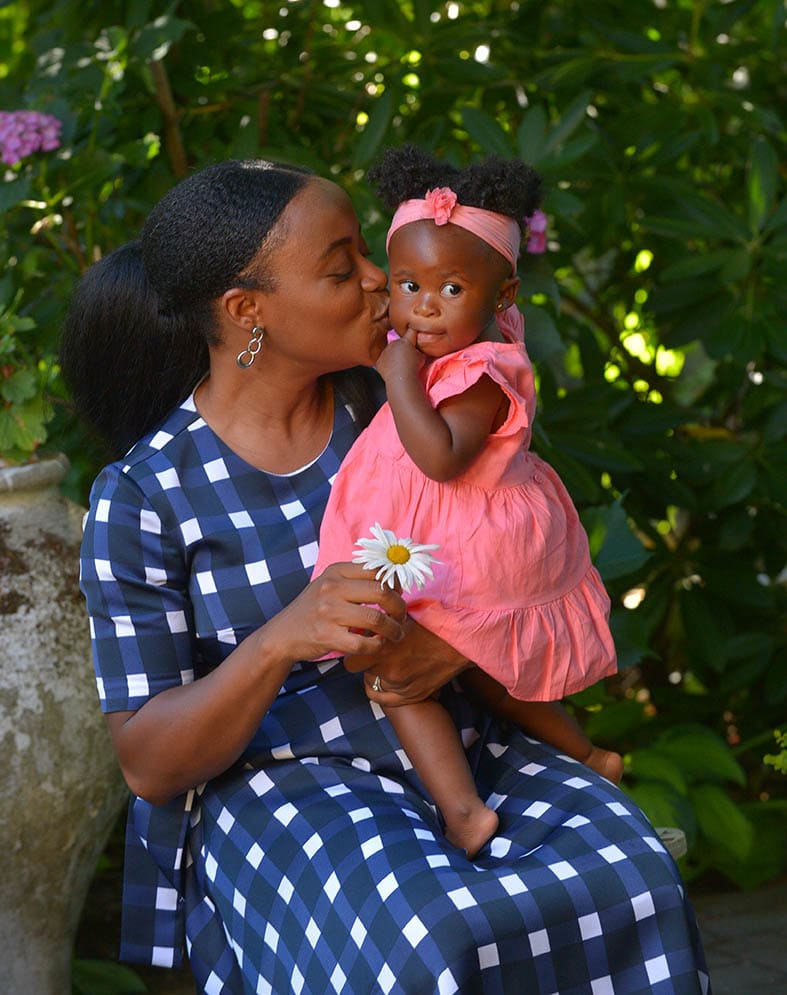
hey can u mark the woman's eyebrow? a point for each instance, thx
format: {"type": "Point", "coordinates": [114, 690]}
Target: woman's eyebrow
{"type": "Point", "coordinates": [336, 244]}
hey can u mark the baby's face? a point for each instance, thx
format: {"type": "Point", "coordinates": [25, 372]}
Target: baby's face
{"type": "Point", "coordinates": [444, 284]}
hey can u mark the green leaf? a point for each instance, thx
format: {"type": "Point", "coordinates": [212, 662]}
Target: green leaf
{"type": "Point", "coordinates": [620, 552]}
{"type": "Point", "coordinates": [767, 857]}
{"type": "Point", "coordinates": [568, 153]}
{"type": "Point", "coordinates": [705, 640]}
{"type": "Point", "coordinates": [738, 266]}
{"type": "Point", "coordinates": [423, 10]}
{"type": "Point", "coordinates": [712, 217]}
{"type": "Point", "coordinates": [375, 130]}
{"type": "Point", "coordinates": [387, 14]}
{"type": "Point", "coordinates": [750, 644]}
{"type": "Point", "coordinates": [777, 220]}
{"type": "Point", "coordinates": [598, 452]}
{"type": "Point", "coordinates": [734, 486]}
{"type": "Point", "coordinates": [485, 131]}
{"type": "Point", "coordinates": [652, 765]}
{"type": "Point", "coordinates": [19, 387]}
{"type": "Point", "coordinates": [530, 135]}
{"type": "Point", "coordinates": [662, 805]}
{"type": "Point", "coordinates": [761, 183]}
{"type": "Point", "coordinates": [13, 191]}
{"type": "Point", "coordinates": [721, 821]}
{"type": "Point", "coordinates": [615, 721]}
{"type": "Point", "coordinates": [569, 121]}
{"type": "Point", "coordinates": [538, 278]}
{"type": "Point", "coordinates": [697, 264]}
{"type": "Point", "coordinates": [541, 334]}
{"type": "Point", "coordinates": [157, 37]}
{"type": "Point", "coordinates": [700, 754]}
{"type": "Point", "coordinates": [581, 484]}
{"type": "Point", "coordinates": [101, 977]}
{"type": "Point", "coordinates": [630, 632]}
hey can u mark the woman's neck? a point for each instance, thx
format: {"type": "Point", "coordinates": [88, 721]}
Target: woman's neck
{"type": "Point", "coordinates": [277, 427]}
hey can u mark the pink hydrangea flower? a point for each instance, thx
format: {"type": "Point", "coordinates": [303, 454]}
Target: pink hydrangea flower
{"type": "Point", "coordinates": [25, 132]}
{"type": "Point", "coordinates": [441, 200]}
{"type": "Point", "coordinates": [536, 233]}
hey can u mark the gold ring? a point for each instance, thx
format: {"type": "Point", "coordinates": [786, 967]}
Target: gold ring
{"type": "Point", "coordinates": [376, 685]}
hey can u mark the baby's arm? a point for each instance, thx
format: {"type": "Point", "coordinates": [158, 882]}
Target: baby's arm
{"type": "Point", "coordinates": [441, 442]}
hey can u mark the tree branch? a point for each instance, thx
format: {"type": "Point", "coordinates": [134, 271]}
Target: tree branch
{"type": "Point", "coordinates": [172, 139]}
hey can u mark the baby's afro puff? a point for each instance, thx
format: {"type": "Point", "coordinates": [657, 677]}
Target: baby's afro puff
{"type": "Point", "coordinates": [506, 186]}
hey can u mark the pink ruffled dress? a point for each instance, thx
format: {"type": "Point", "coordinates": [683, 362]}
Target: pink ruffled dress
{"type": "Point", "coordinates": [515, 591]}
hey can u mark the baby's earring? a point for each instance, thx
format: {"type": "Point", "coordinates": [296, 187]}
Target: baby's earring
{"type": "Point", "coordinates": [500, 306]}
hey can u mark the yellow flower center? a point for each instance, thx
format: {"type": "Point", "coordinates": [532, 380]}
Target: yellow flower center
{"type": "Point", "coordinates": [398, 554]}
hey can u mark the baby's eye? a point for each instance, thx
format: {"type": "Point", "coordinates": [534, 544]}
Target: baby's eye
{"type": "Point", "coordinates": [408, 286]}
{"type": "Point", "coordinates": [451, 290]}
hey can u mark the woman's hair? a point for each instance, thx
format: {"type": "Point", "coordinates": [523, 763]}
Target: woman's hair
{"type": "Point", "coordinates": [136, 335]}
{"type": "Point", "coordinates": [506, 186]}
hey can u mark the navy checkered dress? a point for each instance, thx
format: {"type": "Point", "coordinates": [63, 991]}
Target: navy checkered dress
{"type": "Point", "coordinates": [317, 864]}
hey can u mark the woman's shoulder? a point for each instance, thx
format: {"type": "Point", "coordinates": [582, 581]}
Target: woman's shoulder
{"type": "Point", "coordinates": [155, 463]}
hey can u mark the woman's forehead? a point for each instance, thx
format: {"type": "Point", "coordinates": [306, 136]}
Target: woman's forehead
{"type": "Point", "coordinates": [317, 219]}
{"type": "Point", "coordinates": [320, 200]}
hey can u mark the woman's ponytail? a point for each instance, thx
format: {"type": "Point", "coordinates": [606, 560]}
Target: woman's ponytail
{"type": "Point", "coordinates": [126, 363]}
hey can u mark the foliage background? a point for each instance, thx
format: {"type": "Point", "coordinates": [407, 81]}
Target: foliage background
{"type": "Point", "coordinates": [656, 321]}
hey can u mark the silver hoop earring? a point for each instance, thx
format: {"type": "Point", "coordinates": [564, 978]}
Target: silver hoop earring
{"type": "Point", "coordinates": [246, 358]}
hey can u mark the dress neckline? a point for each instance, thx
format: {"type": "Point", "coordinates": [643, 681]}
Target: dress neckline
{"type": "Point", "coordinates": [189, 404]}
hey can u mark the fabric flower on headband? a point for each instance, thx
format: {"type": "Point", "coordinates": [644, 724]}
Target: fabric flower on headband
{"type": "Point", "coordinates": [395, 559]}
{"type": "Point", "coordinates": [536, 233]}
{"type": "Point", "coordinates": [441, 200]}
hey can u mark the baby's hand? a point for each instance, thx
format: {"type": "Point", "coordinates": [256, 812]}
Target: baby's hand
{"type": "Point", "coordinates": [400, 360]}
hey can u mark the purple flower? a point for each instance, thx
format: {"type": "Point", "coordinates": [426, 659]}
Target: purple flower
{"type": "Point", "coordinates": [25, 132]}
{"type": "Point", "coordinates": [536, 233]}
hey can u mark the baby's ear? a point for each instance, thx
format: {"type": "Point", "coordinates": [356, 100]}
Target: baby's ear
{"type": "Point", "coordinates": [506, 295]}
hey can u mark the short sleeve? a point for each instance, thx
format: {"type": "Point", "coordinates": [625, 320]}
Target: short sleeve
{"type": "Point", "coordinates": [134, 580]}
{"type": "Point", "coordinates": [504, 364]}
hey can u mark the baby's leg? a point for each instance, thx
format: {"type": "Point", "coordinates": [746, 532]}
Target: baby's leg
{"type": "Point", "coordinates": [431, 741]}
{"type": "Point", "coordinates": [546, 720]}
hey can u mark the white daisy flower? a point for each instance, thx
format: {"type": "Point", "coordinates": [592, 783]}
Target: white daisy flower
{"type": "Point", "coordinates": [395, 559]}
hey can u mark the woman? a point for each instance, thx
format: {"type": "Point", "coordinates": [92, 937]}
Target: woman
{"type": "Point", "coordinates": [276, 825]}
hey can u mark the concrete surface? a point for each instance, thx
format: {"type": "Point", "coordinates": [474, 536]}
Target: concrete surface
{"type": "Point", "coordinates": [745, 939]}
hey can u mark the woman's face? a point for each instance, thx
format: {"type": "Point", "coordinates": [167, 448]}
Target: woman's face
{"type": "Point", "coordinates": [329, 308]}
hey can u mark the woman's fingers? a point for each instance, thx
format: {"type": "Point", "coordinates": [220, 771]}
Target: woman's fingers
{"type": "Point", "coordinates": [345, 610]}
{"type": "Point", "coordinates": [412, 669]}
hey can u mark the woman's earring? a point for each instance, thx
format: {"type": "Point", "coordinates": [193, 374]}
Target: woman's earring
{"type": "Point", "coordinates": [246, 358]}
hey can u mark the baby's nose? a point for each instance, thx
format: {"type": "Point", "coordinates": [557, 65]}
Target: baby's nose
{"type": "Point", "coordinates": [425, 304]}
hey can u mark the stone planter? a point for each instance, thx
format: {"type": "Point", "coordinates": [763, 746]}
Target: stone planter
{"type": "Point", "coordinates": [60, 785]}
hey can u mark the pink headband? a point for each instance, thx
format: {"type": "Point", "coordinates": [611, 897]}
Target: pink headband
{"type": "Point", "coordinates": [499, 231]}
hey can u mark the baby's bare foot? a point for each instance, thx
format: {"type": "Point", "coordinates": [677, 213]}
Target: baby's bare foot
{"type": "Point", "coordinates": [470, 828]}
{"type": "Point", "coordinates": [607, 763]}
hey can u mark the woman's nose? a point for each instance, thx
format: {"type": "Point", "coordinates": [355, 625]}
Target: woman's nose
{"type": "Point", "coordinates": [373, 277]}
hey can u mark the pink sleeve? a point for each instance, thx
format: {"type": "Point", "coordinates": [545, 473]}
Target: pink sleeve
{"type": "Point", "coordinates": [455, 378]}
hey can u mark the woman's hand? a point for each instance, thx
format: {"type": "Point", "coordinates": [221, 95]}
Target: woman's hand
{"type": "Point", "coordinates": [345, 610]}
{"type": "Point", "coordinates": [412, 669]}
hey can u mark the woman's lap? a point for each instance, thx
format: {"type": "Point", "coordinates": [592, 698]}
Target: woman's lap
{"type": "Point", "coordinates": [574, 893]}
